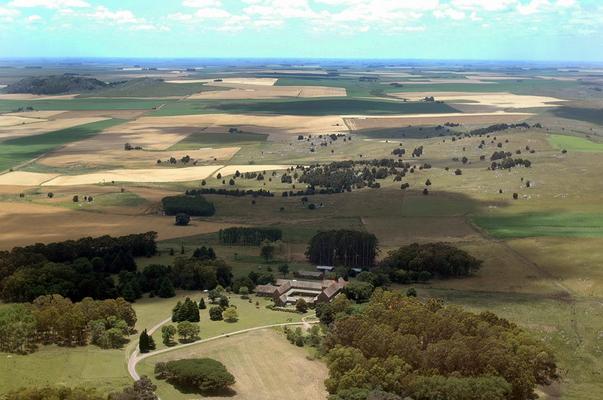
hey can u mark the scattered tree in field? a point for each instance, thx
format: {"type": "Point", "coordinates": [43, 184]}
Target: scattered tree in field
{"type": "Point", "coordinates": [223, 301]}
{"type": "Point", "coordinates": [411, 292]}
{"type": "Point", "coordinates": [188, 331]}
{"type": "Point", "coordinates": [202, 305]}
{"type": "Point", "coordinates": [205, 374]}
{"type": "Point", "coordinates": [182, 219]}
{"type": "Point", "coordinates": [215, 313]}
{"type": "Point", "coordinates": [144, 345]}
{"type": "Point", "coordinates": [187, 311]}
{"type": "Point", "coordinates": [230, 314]}
{"type": "Point", "coordinates": [167, 334]}
{"type": "Point", "coordinates": [58, 393]}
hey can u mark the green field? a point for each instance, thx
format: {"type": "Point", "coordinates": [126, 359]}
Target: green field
{"type": "Point", "coordinates": [16, 151]}
{"type": "Point", "coordinates": [84, 104]}
{"type": "Point", "coordinates": [203, 139]}
{"type": "Point", "coordinates": [542, 224]}
{"type": "Point", "coordinates": [574, 143]}
{"type": "Point", "coordinates": [315, 107]}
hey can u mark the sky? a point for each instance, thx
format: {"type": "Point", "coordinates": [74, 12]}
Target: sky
{"type": "Point", "coordinates": [530, 30]}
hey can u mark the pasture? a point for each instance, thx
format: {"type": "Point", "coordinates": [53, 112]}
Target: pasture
{"type": "Point", "coordinates": [261, 362]}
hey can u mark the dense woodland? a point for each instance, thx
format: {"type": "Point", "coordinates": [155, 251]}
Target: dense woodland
{"type": "Point", "coordinates": [430, 351]}
{"type": "Point", "coordinates": [54, 319]}
{"type": "Point", "coordinates": [439, 260]}
{"type": "Point", "coordinates": [343, 247]}
{"type": "Point", "coordinates": [74, 268]}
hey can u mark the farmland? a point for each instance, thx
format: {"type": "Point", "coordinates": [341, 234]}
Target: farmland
{"type": "Point", "coordinates": [537, 226]}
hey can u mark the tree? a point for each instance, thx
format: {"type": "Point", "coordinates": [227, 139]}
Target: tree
{"type": "Point", "coordinates": [205, 374]}
{"type": "Point", "coordinates": [267, 251]}
{"type": "Point", "coordinates": [58, 393]}
{"type": "Point", "coordinates": [143, 342]}
{"type": "Point", "coordinates": [358, 291]}
{"type": "Point", "coordinates": [223, 301]}
{"type": "Point", "coordinates": [283, 269]}
{"type": "Point", "coordinates": [142, 389]}
{"type": "Point", "coordinates": [215, 313]}
{"type": "Point", "coordinates": [301, 305]}
{"type": "Point", "coordinates": [166, 289]}
{"type": "Point", "coordinates": [230, 314]}
{"type": "Point", "coordinates": [244, 292]}
{"type": "Point", "coordinates": [182, 219]}
{"type": "Point", "coordinates": [202, 305]}
{"type": "Point", "coordinates": [167, 334]}
{"type": "Point", "coordinates": [188, 332]}
{"type": "Point", "coordinates": [411, 292]}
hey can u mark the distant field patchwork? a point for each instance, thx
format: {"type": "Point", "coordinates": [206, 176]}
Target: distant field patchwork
{"type": "Point", "coordinates": [19, 150]}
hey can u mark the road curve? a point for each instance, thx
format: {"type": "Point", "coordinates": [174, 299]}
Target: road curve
{"type": "Point", "coordinates": [135, 357]}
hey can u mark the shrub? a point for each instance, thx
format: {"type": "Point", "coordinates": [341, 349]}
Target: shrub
{"type": "Point", "coordinates": [203, 374]}
{"type": "Point", "coordinates": [182, 219]}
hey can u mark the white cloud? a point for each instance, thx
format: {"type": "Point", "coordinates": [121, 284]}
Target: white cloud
{"type": "Point", "coordinates": [202, 3]}
{"type": "Point", "coordinates": [33, 18]}
{"type": "Point", "coordinates": [49, 4]}
{"type": "Point", "coordinates": [8, 12]}
{"type": "Point", "coordinates": [103, 14]}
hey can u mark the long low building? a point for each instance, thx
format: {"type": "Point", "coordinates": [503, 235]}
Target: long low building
{"type": "Point", "coordinates": [288, 291]}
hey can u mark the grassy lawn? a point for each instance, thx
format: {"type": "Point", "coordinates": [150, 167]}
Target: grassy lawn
{"type": "Point", "coordinates": [265, 366]}
{"type": "Point", "coordinates": [90, 367]}
{"type": "Point", "coordinates": [563, 224]}
{"type": "Point", "coordinates": [19, 150]}
{"type": "Point", "coordinates": [573, 143]}
{"type": "Point", "coordinates": [317, 107]}
{"type": "Point", "coordinates": [250, 316]}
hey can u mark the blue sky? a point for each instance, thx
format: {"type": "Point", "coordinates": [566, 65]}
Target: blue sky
{"type": "Point", "coordinates": [563, 30]}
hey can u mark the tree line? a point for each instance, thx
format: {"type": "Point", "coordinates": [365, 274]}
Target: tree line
{"type": "Point", "coordinates": [249, 236]}
{"type": "Point", "coordinates": [343, 247]}
{"type": "Point", "coordinates": [430, 351]}
{"type": "Point", "coordinates": [230, 192]}
{"type": "Point", "coordinates": [54, 319]}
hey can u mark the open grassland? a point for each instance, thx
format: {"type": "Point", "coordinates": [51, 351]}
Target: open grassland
{"type": "Point", "coordinates": [264, 364]}
{"type": "Point", "coordinates": [90, 367]}
{"type": "Point", "coordinates": [573, 143]}
{"type": "Point", "coordinates": [592, 115]}
{"type": "Point", "coordinates": [16, 151]}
